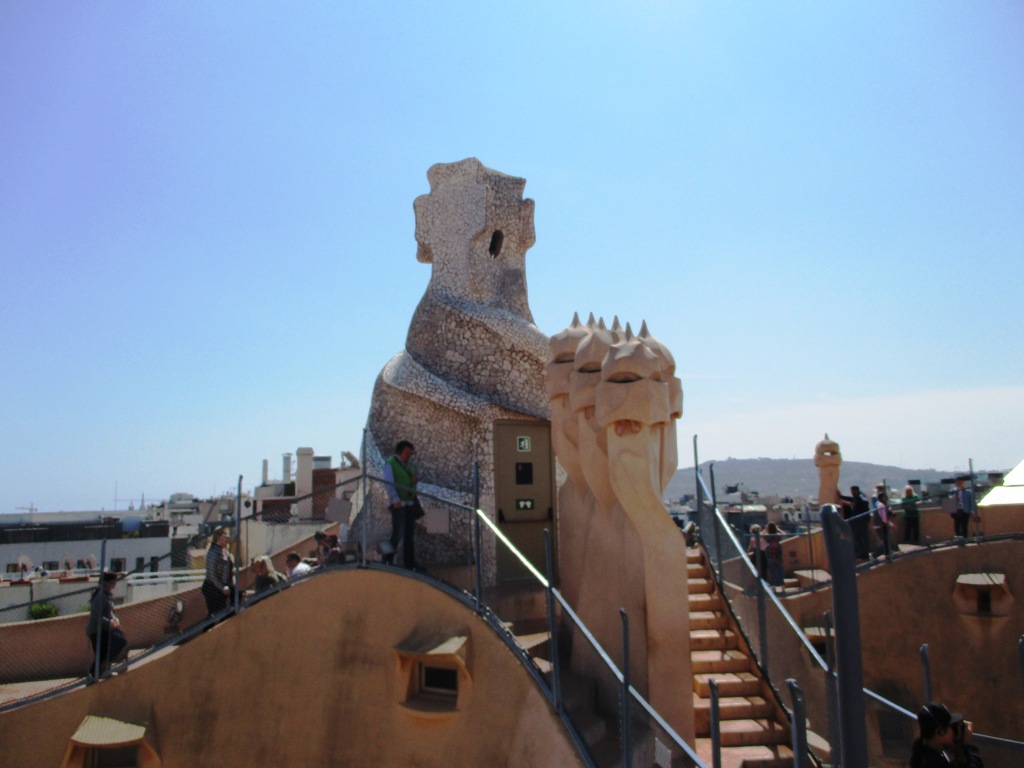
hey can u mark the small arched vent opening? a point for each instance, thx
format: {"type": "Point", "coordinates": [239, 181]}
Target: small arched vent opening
{"type": "Point", "coordinates": [497, 240]}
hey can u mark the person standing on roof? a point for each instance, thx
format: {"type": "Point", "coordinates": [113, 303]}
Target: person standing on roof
{"type": "Point", "coordinates": [964, 508]}
{"type": "Point", "coordinates": [400, 482]}
{"type": "Point", "coordinates": [218, 586]}
{"type": "Point", "coordinates": [883, 521]}
{"type": "Point", "coordinates": [856, 511]}
{"type": "Point", "coordinates": [773, 554]}
{"type": "Point", "coordinates": [103, 627]}
{"type": "Point", "coordinates": [911, 516]}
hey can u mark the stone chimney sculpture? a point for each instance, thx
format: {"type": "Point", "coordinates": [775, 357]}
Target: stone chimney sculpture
{"type": "Point", "coordinates": [472, 355]}
{"type": "Point", "coordinates": [625, 398]}
{"type": "Point", "coordinates": [828, 460]}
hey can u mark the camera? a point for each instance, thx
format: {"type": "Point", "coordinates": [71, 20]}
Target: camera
{"type": "Point", "coordinates": [959, 727]}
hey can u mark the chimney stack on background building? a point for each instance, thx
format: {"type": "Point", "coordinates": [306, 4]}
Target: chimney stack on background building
{"type": "Point", "coordinates": [304, 471]}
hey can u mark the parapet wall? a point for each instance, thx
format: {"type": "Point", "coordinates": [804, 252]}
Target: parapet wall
{"type": "Point", "coordinates": [909, 602]}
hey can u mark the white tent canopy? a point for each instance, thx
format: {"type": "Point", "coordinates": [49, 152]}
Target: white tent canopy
{"type": "Point", "coordinates": [1011, 492]}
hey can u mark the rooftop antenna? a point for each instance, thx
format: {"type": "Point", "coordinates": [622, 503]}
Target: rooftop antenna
{"type": "Point", "coordinates": [31, 509]}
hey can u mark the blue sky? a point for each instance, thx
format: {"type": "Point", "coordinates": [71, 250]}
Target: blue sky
{"type": "Point", "coordinates": [206, 225]}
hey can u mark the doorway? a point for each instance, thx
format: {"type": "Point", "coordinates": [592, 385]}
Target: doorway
{"type": "Point", "coordinates": [524, 495]}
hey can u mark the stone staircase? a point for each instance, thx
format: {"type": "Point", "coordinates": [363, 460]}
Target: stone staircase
{"type": "Point", "coordinates": [538, 647]}
{"type": "Point", "coordinates": [755, 731]}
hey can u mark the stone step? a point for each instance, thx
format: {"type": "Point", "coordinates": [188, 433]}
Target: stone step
{"type": "Point", "coordinates": [705, 602]}
{"type": "Point", "coordinates": [591, 727]}
{"type": "Point", "coordinates": [694, 555]}
{"type": "Point", "coordinates": [816, 634]}
{"type": "Point", "coordinates": [712, 639]}
{"type": "Point", "coordinates": [758, 756]}
{"type": "Point", "coordinates": [808, 577]}
{"type": "Point", "coordinates": [697, 570]}
{"type": "Point", "coordinates": [719, 661]}
{"type": "Point", "coordinates": [533, 642]}
{"type": "Point", "coordinates": [729, 683]}
{"type": "Point", "coordinates": [579, 693]}
{"type": "Point", "coordinates": [751, 732]}
{"type": "Point", "coordinates": [543, 665]}
{"type": "Point", "coordinates": [708, 620]}
{"type": "Point", "coordinates": [699, 585]}
{"type": "Point", "coordinates": [729, 708]}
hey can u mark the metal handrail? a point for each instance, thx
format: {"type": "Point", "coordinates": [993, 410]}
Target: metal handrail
{"type": "Point", "coordinates": [878, 698]}
{"type": "Point", "coordinates": [617, 673]}
{"type": "Point", "coordinates": [771, 595]}
{"type": "Point", "coordinates": [568, 610]}
{"type": "Point", "coordinates": [519, 555]}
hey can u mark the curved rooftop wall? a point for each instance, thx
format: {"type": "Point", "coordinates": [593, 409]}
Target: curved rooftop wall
{"type": "Point", "coordinates": [315, 676]}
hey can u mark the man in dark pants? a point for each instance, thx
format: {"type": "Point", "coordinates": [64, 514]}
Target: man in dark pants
{"type": "Point", "coordinates": [400, 478]}
{"type": "Point", "coordinates": [964, 508]}
{"type": "Point", "coordinates": [103, 627]}
{"type": "Point", "coordinates": [857, 506]}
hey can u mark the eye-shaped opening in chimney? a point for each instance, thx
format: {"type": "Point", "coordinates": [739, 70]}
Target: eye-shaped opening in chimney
{"type": "Point", "coordinates": [497, 239]}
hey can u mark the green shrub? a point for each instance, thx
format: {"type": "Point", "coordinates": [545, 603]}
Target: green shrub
{"type": "Point", "coordinates": [42, 611]}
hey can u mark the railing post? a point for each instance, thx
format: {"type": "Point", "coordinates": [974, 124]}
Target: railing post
{"type": "Point", "coordinates": [762, 608]}
{"type": "Point", "coordinates": [366, 499]}
{"type": "Point", "coordinates": [238, 541]}
{"type": "Point", "coordinates": [556, 682]}
{"type": "Point", "coordinates": [852, 715]}
{"type": "Point", "coordinates": [99, 629]}
{"type": "Point", "coordinates": [627, 746]}
{"type": "Point", "coordinates": [799, 725]}
{"type": "Point", "coordinates": [717, 526]}
{"type": "Point", "coordinates": [478, 559]}
{"type": "Point", "coordinates": [1020, 652]}
{"type": "Point", "coordinates": [926, 672]}
{"type": "Point", "coordinates": [762, 625]}
{"type": "Point", "coordinates": [699, 493]}
{"type": "Point", "coordinates": [696, 474]}
{"type": "Point", "coordinates": [834, 738]}
{"type": "Point", "coordinates": [716, 722]}
{"type": "Point", "coordinates": [890, 530]}
{"type": "Point", "coordinates": [810, 548]}
{"type": "Point", "coordinates": [974, 496]}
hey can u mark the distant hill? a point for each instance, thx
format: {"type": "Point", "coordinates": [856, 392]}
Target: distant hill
{"type": "Point", "coordinates": [795, 477]}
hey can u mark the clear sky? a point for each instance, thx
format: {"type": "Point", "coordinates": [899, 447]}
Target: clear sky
{"type": "Point", "coordinates": [206, 223]}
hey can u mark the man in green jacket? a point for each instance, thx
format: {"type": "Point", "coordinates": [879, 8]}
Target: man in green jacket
{"type": "Point", "coordinates": [400, 481]}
